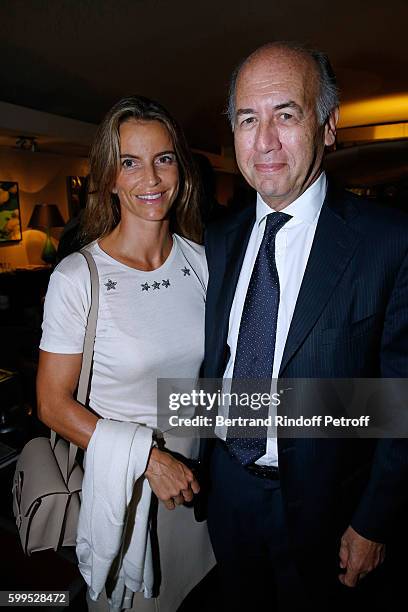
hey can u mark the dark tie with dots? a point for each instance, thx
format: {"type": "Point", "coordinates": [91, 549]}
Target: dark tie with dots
{"type": "Point", "coordinates": [256, 346]}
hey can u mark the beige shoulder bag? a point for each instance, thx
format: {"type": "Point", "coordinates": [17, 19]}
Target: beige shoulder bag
{"type": "Point", "coordinates": [48, 480]}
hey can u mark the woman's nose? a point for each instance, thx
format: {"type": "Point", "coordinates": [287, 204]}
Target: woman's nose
{"type": "Point", "coordinates": [151, 175]}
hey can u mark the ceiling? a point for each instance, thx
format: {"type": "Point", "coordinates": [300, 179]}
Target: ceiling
{"type": "Point", "coordinates": [76, 59]}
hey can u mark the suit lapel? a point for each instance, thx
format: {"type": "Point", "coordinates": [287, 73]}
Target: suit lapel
{"type": "Point", "coordinates": [236, 242]}
{"type": "Point", "coordinates": [333, 247]}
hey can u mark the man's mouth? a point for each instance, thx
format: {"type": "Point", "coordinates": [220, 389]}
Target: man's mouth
{"type": "Point", "coordinates": [269, 167]}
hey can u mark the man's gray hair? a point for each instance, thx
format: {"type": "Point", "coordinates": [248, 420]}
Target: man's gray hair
{"type": "Point", "coordinates": [328, 96]}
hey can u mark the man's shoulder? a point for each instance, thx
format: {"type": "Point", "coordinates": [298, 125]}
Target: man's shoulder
{"type": "Point", "coordinates": [223, 226]}
{"type": "Point", "coordinates": [367, 215]}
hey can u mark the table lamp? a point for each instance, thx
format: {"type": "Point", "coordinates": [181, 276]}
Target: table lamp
{"type": "Point", "coordinates": [45, 216]}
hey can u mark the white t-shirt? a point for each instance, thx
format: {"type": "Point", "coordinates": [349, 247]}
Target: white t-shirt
{"type": "Point", "coordinates": [150, 325]}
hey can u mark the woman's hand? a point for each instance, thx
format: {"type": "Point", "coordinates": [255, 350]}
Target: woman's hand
{"type": "Point", "coordinates": [171, 480]}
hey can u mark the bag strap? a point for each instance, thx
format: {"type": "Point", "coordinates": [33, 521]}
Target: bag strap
{"type": "Point", "coordinates": [87, 353]}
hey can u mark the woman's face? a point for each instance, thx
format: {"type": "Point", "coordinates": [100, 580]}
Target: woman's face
{"type": "Point", "coordinates": [147, 183]}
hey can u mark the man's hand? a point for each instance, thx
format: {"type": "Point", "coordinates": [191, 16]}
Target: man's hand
{"type": "Point", "coordinates": [171, 481]}
{"type": "Point", "coordinates": [358, 556]}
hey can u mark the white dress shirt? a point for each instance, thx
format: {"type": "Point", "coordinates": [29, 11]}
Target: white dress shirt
{"type": "Point", "coordinates": [292, 249]}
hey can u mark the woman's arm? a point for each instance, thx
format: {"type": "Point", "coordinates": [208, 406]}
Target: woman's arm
{"type": "Point", "coordinates": [57, 380]}
{"type": "Point", "coordinates": [58, 375]}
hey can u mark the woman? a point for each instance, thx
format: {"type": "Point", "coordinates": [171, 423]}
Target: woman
{"type": "Point", "coordinates": [141, 225]}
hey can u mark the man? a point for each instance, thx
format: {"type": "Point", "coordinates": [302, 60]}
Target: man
{"type": "Point", "coordinates": [313, 283]}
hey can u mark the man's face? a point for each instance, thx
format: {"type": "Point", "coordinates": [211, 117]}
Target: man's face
{"type": "Point", "coordinates": [279, 143]}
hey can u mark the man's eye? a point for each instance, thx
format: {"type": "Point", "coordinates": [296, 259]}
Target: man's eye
{"type": "Point", "coordinates": [248, 121]}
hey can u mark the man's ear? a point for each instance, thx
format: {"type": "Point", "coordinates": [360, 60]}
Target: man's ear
{"type": "Point", "coordinates": [330, 127]}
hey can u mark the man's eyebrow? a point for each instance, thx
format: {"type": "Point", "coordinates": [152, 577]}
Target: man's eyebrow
{"type": "Point", "coordinates": [288, 104]}
{"type": "Point", "coordinates": [245, 111]}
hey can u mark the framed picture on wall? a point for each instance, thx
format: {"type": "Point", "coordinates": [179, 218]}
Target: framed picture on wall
{"type": "Point", "coordinates": [10, 219]}
{"type": "Point", "coordinates": [77, 192]}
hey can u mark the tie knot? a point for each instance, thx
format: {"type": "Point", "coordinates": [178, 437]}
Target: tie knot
{"type": "Point", "coordinates": [274, 222]}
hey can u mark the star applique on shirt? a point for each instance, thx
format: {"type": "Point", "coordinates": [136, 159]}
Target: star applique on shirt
{"type": "Point", "coordinates": [166, 283]}
{"type": "Point", "coordinates": [145, 287]}
{"type": "Point", "coordinates": [156, 285]}
{"type": "Point", "coordinates": [186, 271]}
{"type": "Point", "coordinates": [110, 284]}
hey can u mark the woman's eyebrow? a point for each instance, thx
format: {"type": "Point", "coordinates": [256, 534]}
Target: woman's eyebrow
{"type": "Point", "coordinates": [170, 151]}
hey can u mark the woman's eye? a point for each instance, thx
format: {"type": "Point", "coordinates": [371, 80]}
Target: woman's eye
{"type": "Point", "coordinates": [286, 116]}
{"type": "Point", "coordinates": [166, 159]}
{"type": "Point", "coordinates": [128, 163]}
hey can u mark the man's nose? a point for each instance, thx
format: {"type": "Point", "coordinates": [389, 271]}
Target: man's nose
{"type": "Point", "coordinates": [267, 137]}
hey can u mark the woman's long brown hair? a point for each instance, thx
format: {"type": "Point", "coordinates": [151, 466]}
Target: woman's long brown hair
{"type": "Point", "coordinates": [102, 212]}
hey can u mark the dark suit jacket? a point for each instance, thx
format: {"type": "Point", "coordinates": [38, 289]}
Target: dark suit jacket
{"type": "Point", "coordinates": [350, 320]}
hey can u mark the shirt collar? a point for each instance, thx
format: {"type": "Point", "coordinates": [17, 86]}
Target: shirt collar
{"type": "Point", "coordinates": [305, 208]}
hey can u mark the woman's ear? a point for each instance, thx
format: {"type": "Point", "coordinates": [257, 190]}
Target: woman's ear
{"type": "Point", "coordinates": [114, 190]}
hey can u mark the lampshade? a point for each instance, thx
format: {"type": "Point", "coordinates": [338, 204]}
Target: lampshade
{"type": "Point", "coordinates": [45, 216]}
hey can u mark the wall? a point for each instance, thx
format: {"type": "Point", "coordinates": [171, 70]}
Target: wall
{"type": "Point", "coordinates": [41, 178]}
{"type": "Point", "coordinates": [225, 183]}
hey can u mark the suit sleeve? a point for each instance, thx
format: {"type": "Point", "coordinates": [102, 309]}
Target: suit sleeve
{"type": "Point", "coordinates": [386, 494]}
